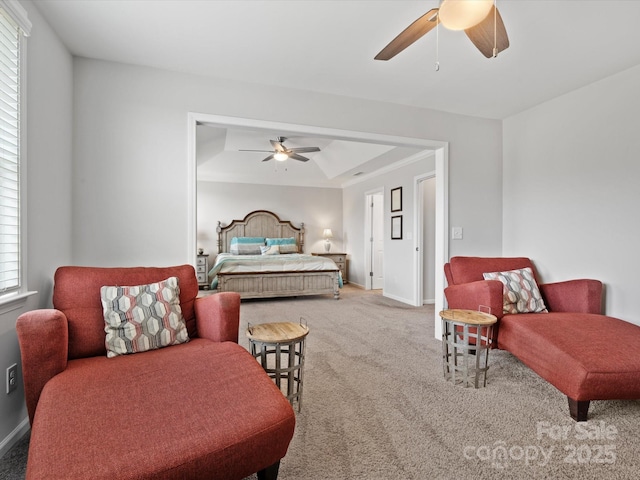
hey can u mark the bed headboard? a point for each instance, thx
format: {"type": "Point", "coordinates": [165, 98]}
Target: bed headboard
{"type": "Point", "coordinates": [260, 223]}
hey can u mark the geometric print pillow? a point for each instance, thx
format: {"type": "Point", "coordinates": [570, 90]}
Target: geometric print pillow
{"type": "Point", "coordinates": [143, 317]}
{"type": "Point", "coordinates": [520, 291]}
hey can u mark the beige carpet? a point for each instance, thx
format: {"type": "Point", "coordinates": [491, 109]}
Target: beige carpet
{"type": "Point", "coordinates": [377, 407]}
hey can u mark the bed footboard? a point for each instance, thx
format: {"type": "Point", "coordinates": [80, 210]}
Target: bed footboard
{"type": "Point", "coordinates": [280, 284]}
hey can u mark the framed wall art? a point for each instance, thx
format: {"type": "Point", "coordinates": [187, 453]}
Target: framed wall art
{"type": "Point", "coordinates": [396, 227]}
{"type": "Point", "coordinates": [396, 199]}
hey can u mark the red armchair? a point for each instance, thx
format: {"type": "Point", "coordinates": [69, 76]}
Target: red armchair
{"type": "Point", "coordinates": [582, 353]}
{"type": "Point", "coordinates": [199, 410]}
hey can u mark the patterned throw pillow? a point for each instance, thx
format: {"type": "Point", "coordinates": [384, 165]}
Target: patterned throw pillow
{"type": "Point", "coordinates": [143, 317]}
{"type": "Point", "coordinates": [521, 293]}
{"type": "Point", "coordinates": [246, 245]}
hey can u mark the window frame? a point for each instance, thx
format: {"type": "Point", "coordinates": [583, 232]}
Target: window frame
{"type": "Point", "coordinates": [17, 14]}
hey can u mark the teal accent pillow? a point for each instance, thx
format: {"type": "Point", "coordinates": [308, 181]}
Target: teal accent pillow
{"type": "Point", "coordinates": [287, 245]}
{"type": "Point", "coordinates": [281, 241]}
{"type": "Point", "coordinates": [246, 245]}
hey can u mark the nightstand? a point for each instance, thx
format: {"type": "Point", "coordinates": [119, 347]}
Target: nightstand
{"type": "Point", "coordinates": [202, 271]}
{"type": "Point", "coordinates": [340, 260]}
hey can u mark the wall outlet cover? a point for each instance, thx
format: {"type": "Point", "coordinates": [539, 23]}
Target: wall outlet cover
{"type": "Point", "coordinates": [12, 378]}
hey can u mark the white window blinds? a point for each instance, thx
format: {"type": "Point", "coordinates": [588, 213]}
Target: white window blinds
{"type": "Point", "coordinates": [10, 271]}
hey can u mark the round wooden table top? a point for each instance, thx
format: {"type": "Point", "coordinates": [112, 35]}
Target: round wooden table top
{"type": "Point", "coordinates": [469, 316]}
{"type": "Point", "coordinates": [277, 332]}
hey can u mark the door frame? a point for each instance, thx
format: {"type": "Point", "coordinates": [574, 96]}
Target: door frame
{"type": "Point", "coordinates": [368, 224]}
{"type": "Point", "coordinates": [441, 174]}
{"type": "Point", "coordinates": [418, 229]}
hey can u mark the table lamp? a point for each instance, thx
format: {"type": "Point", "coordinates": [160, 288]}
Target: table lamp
{"type": "Point", "coordinates": [327, 234]}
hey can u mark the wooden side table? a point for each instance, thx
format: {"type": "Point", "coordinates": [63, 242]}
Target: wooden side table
{"type": "Point", "coordinates": [340, 260]}
{"type": "Point", "coordinates": [271, 343]}
{"type": "Point", "coordinates": [466, 340]}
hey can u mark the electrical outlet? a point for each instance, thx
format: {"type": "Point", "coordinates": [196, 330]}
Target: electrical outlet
{"type": "Point", "coordinates": [12, 378]}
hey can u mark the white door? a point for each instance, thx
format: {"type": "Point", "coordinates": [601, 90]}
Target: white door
{"type": "Point", "coordinates": [377, 241]}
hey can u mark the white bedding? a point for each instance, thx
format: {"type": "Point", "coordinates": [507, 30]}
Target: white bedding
{"type": "Point", "coordinates": [228, 263]}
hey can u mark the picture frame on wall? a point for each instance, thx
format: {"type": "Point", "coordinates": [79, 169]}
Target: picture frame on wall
{"type": "Point", "coordinates": [396, 227]}
{"type": "Point", "coordinates": [396, 199]}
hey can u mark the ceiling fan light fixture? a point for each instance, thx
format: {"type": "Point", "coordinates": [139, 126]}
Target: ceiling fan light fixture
{"type": "Point", "coordinates": [280, 156]}
{"type": "Point", "coordinates": [463, 14]}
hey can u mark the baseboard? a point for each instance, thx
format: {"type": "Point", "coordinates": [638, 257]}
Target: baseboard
{"type": "Point", "coordinates": [429, 301]}
{"type": "Point", "coordinates": [399, 299]}
{"type": "Point", "coordinates": [11, 439]}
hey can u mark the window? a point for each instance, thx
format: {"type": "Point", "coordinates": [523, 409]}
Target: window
{"type": "Point", "coordinates": [13, 25]}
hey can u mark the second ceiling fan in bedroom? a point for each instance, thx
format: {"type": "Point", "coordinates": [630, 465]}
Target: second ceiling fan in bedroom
{"type": "Point", "coordinates": [479, 19]}
{"type": "Point", "coordinates": [282, 153]}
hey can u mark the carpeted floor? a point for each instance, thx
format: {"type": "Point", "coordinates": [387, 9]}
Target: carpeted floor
{"type": "Point", "coordinates": [13, 464]}
{"type": "Point", "coordinates": [376, 406]}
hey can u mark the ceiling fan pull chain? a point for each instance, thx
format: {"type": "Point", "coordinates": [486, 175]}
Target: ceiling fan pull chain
{"type": "Point", "coordinates": [437, 44]}
{"type": "Point", "coordinates": [495, 28]}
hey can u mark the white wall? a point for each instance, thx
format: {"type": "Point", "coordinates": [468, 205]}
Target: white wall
{"type": "Point", "coordinates": [130, 180]}
{"type": "Point", "coordinates": [48, 149]}
{"type": "Point", "coordinates": [318, 208]}
{"type": "Point", "coordinates": [398, 254]}
{"type": "Point", "coordinates": [571, 194]}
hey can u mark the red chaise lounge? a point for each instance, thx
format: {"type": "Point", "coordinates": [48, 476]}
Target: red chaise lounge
{"type": "Point", "coordinates": [585, 355]}
{"type": "Point", "coordinates": [198, 410]}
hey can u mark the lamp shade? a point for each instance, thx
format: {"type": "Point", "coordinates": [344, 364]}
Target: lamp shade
{"type": "Point", "coordinates": [463, 14]}
{"type": "Point", "coordinates": [280, 156]}
{"type": "Point", "coordinates": [327, 233]}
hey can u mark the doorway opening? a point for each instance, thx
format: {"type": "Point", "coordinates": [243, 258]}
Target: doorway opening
{"type": "Point", "coordinates": [438, 148]}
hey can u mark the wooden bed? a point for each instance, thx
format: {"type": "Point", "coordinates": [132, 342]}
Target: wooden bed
{"type": "Point", "coordinates": [262, 223]}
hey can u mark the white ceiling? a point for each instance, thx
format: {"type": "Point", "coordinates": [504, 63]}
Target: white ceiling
{"type": "Point", "coordinates": [328, 46]}
{"type": "Point", "coordinates": [219, 158]}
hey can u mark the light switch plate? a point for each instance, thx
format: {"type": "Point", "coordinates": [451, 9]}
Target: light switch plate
{"type": "Point", "coordinates": [456, 233]}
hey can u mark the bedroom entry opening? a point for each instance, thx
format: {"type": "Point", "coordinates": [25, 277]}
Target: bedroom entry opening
{"type": "Point", "coordinates": [406, 289]}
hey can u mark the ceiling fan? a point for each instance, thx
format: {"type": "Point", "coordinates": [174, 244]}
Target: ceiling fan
{"type": "Point", "coordinates": [479, 19]}
{"type": "Point", "coordinates": [281, 153]}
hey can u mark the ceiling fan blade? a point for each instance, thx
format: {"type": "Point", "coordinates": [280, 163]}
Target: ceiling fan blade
{"type": "Point", "coordinates": [482, 35]}
{"type": "Point", "coordinates": [270, 157]}
{"type": "Point", "coordinates": [278, 146]}
{"type": "Point", "coordinates": [295, 156]}
{"type": "Point", "coordinates": [303, 149]}
{"type": "Point", "coordinates": [409, 35]}
{"type": "Point", "coordinates": [245, 150]}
